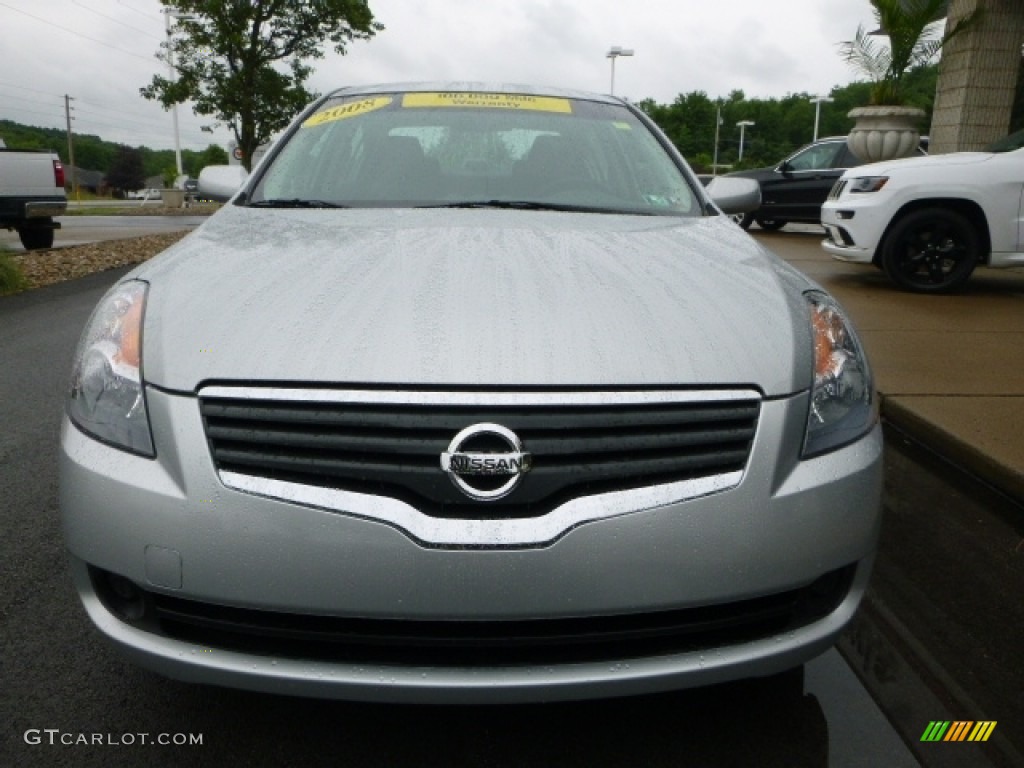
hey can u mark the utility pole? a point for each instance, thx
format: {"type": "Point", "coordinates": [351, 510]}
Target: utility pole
{"type": "Point", "coordinates": [718, 126]}
{"type": "Point", "coordinates": [71, 146]}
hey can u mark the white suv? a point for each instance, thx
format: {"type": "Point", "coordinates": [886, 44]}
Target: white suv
{"type": "Point", "coordinates": [929, 221]}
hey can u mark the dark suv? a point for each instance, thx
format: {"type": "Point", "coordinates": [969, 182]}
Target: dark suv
{"type": "Point", "coordinates": [795, 189]}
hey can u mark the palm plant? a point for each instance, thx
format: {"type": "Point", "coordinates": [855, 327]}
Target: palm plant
{"type": "Point", "coordinates": [912, 27]}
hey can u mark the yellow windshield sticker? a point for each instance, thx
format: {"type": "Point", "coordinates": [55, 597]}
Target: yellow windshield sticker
{"type": "Point", "coordinates": [488, 101]}
{"type": "Point", "coordinates": [623, 126]}
{"type": "Point", "coordinates": [343, 111]}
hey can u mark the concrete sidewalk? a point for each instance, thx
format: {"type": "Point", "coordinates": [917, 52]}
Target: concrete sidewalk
{"type": "Point", "coordinates": [950, 369]}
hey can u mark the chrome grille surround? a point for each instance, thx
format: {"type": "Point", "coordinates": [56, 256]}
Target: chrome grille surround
{"type": "Point", "coordinates": [441, 531]}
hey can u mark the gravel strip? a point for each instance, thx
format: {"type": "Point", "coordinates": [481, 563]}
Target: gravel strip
{"type": "Point", "coordinates": [58, 264]}
{"type": "Point", "coordinates": [196, 209]}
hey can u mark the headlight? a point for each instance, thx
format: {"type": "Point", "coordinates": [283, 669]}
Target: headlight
{"type": "Point", "coordinates": [867, 184]}
{"type": "Point", "coordinates": [106, 398]}
{"type": "Point", "coordinates": [843, 406]}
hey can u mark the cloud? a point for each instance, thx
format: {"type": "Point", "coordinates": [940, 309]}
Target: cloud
{"type": "Point", "coordinates": [764, 49]}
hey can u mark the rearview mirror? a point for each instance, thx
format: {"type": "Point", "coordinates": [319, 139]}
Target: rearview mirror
{"type": "Point", "coordinates": [735, 195]}
{"type": "Point", "coordinates": [221, 182]}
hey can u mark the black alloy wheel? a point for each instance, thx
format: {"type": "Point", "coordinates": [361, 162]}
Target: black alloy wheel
{"type": "Point", "coordinates": [743, 219]}
{"type": "Point", "coordinates": [933, 250]}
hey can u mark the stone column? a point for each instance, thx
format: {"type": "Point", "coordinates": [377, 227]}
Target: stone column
{"type": "Point", "coordinates": [978, 76]}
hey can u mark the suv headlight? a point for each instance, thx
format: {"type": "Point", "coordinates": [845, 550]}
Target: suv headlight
{"type": "Point", "coordinates": [867, 184]}
{"type": "Point", "coordinates": [106, 398]}
{"type": "Point", "coordinates": [843, 405]}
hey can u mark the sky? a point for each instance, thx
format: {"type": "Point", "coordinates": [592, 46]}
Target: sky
{"type": "Point", "coordinates": [100, 52]}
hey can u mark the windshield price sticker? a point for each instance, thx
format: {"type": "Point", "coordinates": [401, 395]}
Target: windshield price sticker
{"type": "Point", "coordinates": [488, 101]}
{"type": "Point", "coordinates": [344, 111]}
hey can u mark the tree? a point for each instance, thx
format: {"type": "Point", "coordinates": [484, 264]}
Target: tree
{"type": "Point", "coordinates": [242, 61]}
{"type": "Point", "coordinates": [212, 155]}
{"type": "Point", "coordinates": [125, 172]}
{"type": "Point", "coordinates": [914, 41]}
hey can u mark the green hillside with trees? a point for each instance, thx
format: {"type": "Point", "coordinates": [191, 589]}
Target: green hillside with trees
{"type": "Point", "coordinates": [94, 154]}
{"type": "Point", "coordinates": [780, 127]}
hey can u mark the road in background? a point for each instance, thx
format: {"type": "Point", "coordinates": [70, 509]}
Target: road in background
{"type": "Point", "coordinates": [79, 230]}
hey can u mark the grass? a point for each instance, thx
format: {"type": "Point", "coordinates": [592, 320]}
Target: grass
{"type": "Point", "coordinates": [117, 208]}
{"type": "Point", "coordinates": [11, 278]}
{"type": "Point", "coordinates": [95, 211]}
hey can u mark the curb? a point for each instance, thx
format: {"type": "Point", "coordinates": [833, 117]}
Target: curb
{"type": "Point", "coordinates": [1004, 479]}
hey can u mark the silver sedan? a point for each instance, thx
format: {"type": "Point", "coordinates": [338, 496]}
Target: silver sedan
{"type": "Point", "coordinates": [470, 393]}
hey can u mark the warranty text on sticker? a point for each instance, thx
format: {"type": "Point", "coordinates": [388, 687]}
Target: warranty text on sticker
{"type": "Point", "coordinates": [343, 111]}
{"type": "Point", "coordinates": [488, 101]}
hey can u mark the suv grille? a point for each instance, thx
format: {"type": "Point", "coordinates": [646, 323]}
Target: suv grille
{"type": "Point", "coordinates": [392, 448]}
{"type": "Point", "coordinates": [837, 189]}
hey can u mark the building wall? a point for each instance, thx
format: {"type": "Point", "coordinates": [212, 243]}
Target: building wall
{"type": "Point", "coordinates": [978, 76]}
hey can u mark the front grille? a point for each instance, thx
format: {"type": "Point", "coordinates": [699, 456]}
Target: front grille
{"type": "Point", "coordinates": [496, 643]}
{"type": "Point", "coordinates": [837, 189]}
{"type": "Point", "coordinates": [393, 448]}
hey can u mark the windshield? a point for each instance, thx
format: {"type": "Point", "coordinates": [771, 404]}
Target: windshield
{"type": "Point", "coordinates": [1007, 143]}
{"type": "Point", "coordinates": [475, 149]}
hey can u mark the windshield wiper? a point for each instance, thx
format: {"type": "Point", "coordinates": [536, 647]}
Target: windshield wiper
{"type": "Point", "coordinates": [532, 205]}
{"type": "Point", "coordinates": [295, 202]}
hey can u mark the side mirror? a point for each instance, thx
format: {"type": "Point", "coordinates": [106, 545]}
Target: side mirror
{"type": "Point", "coordinates": [734, 194]}
{"type": "Point", "coordinates": [784, 167]}
{"type": "Point", "coordinates": [221, 182]}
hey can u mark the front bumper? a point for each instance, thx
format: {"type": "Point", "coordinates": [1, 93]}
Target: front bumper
{"type": "Point", "coordinates": [846, 252]}
{"type": "Point", "coordinates": [855, 227]}
{"type": "Point", "coordinates": [170, 527]}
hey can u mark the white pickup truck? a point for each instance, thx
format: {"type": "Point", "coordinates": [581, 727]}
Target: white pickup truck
{"type": "Point", "coordinates": [929, 221]}
{"type": "Point", "coordinates": [31, 194]}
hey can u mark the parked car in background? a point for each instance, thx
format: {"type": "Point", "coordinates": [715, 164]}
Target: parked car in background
{"type": "Point", "coordinates": [929, 221]}
{"type": "Point", "coordinates": [31, 194]}
{"type": "Point", "coordinates": [795, 189]}
{"type": "Point", "coordinates": [470, 393]}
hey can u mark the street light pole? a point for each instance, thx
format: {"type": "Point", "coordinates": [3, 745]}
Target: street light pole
{"type": "Point", "coordinates": [613, 54]}
{"type": "Point", "coordinates": [818, 101]}
{"type": "Point", "coordinates": [718, 126]}
{"type": "Point", "coordinates": [174, 107]}
{"type": "Point", "coordinates": [743, 125]}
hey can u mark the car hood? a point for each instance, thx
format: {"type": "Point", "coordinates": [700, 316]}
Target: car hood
{"type": "Point", "coordinates": [911, 163]}
{"type": "Point", "coordinates": [479, 298]}
{"type": "Point", "coordinates": [759, 174]}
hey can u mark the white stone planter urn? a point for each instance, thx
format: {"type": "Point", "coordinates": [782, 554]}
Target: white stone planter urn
{"type": "Point", "coordinates": [173, 198]}
{"type": "Point", "coordinates": [884, 133]}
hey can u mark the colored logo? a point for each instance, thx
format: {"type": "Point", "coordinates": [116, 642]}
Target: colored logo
{"type": "Point", "coordinates": [958, 730]}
